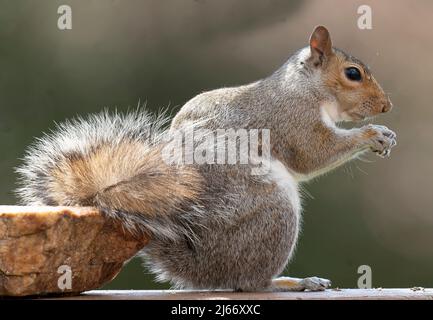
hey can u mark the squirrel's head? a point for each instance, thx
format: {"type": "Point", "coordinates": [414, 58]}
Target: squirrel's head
{"type": "Point", "coordinates": [350, 81]}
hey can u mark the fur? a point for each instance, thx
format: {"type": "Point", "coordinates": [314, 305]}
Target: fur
{"type": "Point", "coordinates": [112, 162]}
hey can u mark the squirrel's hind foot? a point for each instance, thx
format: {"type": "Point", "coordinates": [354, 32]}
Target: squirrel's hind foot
{"type": "Point", "coordinates": [296, 284]}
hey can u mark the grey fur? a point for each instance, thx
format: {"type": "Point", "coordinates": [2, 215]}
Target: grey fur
{"type": "Point", "coordinates": [242, 230]}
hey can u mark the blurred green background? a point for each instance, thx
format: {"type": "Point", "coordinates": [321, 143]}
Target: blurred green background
{"type": "Point", "coordinates": [376, 212]}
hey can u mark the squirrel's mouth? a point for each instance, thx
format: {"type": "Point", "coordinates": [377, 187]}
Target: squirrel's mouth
{"type": "Point", "coordinates": [353, 116]}
{"type": "Point", "coordinates": [356, 116]}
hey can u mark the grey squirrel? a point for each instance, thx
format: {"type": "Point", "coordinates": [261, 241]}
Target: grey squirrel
{"type": "Point", "coordinates": [218, 226]}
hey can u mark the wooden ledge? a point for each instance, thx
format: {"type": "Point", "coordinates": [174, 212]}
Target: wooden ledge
{"type": "Point", "coordinates": [332, 294]}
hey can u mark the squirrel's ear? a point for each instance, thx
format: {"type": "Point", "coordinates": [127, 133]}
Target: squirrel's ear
{"type": "Point", "coordinates": [320, 45]}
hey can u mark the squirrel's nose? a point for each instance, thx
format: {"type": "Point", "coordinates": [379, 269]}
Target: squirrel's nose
{"type": "Point", "coordinates": [387, 106]}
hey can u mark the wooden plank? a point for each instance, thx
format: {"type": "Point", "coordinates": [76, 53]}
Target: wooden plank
{"type": "Point", "coordinates": [332, 294]}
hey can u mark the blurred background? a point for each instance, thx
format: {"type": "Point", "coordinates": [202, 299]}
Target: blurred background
{"type": "Point", "coordinates": [377, 213]}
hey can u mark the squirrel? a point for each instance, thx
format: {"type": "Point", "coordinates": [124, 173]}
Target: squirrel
{"type": "Point", "coordinates": [217, 226]}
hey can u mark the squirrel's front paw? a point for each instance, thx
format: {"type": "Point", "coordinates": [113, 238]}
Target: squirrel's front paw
{"type": "Point", "coordinates": [381, 139]}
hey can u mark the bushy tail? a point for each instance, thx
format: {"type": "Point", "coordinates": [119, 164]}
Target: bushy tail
{"type": "Point", "coordinates": [109, 161]}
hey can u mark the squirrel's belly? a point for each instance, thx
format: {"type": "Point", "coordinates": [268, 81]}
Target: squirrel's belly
{"type": "Point", "coordinates": [286, 183]}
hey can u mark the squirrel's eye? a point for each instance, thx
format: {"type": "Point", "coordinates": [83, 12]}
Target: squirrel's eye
{"type": "Point", "coordinates": [353, 74]}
